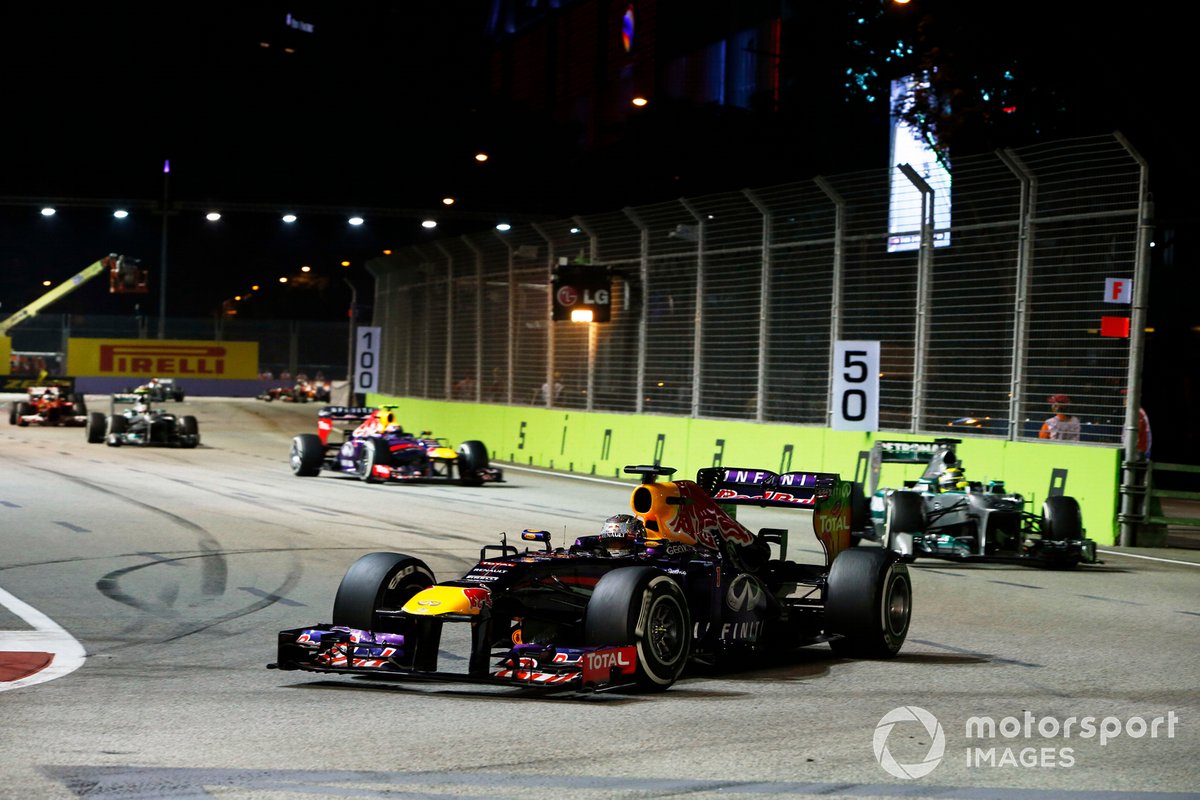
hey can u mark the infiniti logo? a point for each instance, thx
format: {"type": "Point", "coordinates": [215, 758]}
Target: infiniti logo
{"type": "Point", "coordinates": [937, 745]}
{"type": "Point", "coordinates": [744, 593]}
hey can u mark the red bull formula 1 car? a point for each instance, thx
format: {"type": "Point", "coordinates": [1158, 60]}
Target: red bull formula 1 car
{"type": "Point", "coordinates": [695, 586]}
{"type": "Point", "coordinates": [375, 448]}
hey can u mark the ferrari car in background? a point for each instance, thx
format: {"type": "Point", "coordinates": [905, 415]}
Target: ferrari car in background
{"type": "Point", "coordinates": [134, 421]}
{"type": "Point", "coordinates": [374, 447]}
{"type": "Point", "coordinates": [688, 584]}
{"type": "Point", "coordinates": [52, 404]}
{"type": "Point", "coordinates": [942, 514]}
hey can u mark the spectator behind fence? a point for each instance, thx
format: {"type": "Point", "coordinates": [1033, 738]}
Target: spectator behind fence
{"type": "Point", "coordinates": [1063, 426]}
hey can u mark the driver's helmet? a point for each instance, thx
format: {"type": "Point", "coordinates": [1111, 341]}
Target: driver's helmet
{"type": "Point", "coordinates": [388, 422]}
{"type": "Point", "coordinates": [141, 408]}
{"type": "Point", "coordinates": [620, 533]}
{"type": "Point", "coordinates": [952, 479]}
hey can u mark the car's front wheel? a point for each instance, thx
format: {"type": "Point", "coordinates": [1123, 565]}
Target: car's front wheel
{"type": "Point", "coordinates": [370, 597]}
{"type": "Point", "coordinates": [369, 456]}
{"type": "Point", "coordinates": [95, 427]}
{"type": "Point", "coordinates": [1061, 519]}
{"type": "Point", "coordinates": [643, 607]}
{"type": "Point", "coordinates": [190, 429]}
{"type": "Point", "coordinates": [868, 603]}
{"type": "Point", "coordinates": [472, 460]}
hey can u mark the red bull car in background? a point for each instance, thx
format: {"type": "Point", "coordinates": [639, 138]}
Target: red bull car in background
{"type": "Point", "coordinates": [50, 404]}
{"type": "Point", "coordinates": [690, 585]}
{"type": "Point", "coordinates": [375, 448]}
{"type": "Point", "coordinates": [944, 515]}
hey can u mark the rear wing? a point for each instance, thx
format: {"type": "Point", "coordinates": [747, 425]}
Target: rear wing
{"type": "Point", "coordinates": [345, 413]}
{"type": "Point", "coordinates": [759, 487]}
{"type": "Point", "coordinates": [935, 455]}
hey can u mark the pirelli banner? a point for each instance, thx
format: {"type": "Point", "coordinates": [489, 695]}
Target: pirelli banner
{"type": "Point", "coordinates": [162, 358]}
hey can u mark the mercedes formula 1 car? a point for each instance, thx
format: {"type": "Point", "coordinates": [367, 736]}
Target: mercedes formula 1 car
{"type": "Point", "coordinates": [141, 425]}
{"type": "Point", "coordinates": [692, 586]}
{"type": "Point", "coordinates": [51, 404]}
{"type": "Point", "coordinates": [159, 390]}
{"type": "Point", "coordinates": [375, 448]}
{"type": "Point", "coordinates": [941, 514]}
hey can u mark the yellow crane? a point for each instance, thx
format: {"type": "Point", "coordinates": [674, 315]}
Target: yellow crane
{"type": "Point", "coordinates": [125, 275]}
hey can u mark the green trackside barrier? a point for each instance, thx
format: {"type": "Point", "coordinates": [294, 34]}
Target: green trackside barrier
{"type": "Point", "coordinates": [602, 444]}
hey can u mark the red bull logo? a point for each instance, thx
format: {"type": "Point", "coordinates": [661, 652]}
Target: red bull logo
{"type": "Point", "coordinates": [162, 359]}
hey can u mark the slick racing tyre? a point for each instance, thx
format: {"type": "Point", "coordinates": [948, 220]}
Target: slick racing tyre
{"type": "Point", "coordinates": [95, 427]}
{"type": "Point", "coordinates": [306, 455]}
{"type": "Point", "coordinates": [372, 453]}
{"type": "Point", "coordinates": [472, 459]}
{"type": "Point", "coordinates": [643, 607]}
{"type": "Point", "coordinates": [22, 410]}
{"type": "Point", "coordinates": [868, 603]}
{"type": "Point", "coordinates": [372, 593]}
{"type": "Point", "coordinates": [1061, 519]}
{"type": "Point", "coordinates": [190, 429]}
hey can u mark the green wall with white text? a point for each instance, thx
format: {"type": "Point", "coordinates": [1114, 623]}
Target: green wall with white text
{"type": "Point", "coordinates": [602, 444]}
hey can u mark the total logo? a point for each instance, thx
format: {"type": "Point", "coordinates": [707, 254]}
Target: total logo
{"type": "Point", "coordinates": [933, 728]}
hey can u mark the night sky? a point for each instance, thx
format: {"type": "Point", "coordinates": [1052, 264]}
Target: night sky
{"type": "Point", "coordinates": [383, 104]}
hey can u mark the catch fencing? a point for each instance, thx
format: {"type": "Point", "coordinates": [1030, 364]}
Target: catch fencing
{"type": "Point", "coordinates": [729, 305]}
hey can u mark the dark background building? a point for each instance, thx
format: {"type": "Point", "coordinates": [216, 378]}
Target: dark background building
{"type": "Point", "coordinates": [376, 106]}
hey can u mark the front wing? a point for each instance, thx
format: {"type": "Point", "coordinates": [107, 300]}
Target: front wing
{"type": "Point", "coordinates": [349, 651]}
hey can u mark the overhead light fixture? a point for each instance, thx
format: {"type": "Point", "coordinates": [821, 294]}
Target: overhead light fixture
{"type": "Point", "coordinates": [48, 211]}
{"type": "Point", "coordinates": [447, 201]}
{"type": "Point", "coordinates": [581, 315]}
{"type": "Point", "coordinates": [120, 213]}
{"type": "Point", "coordinates": [481, 157]}
{"type": "Point", "coordinates": [212, 216]}
{"type": "Point", "coordinates": [289, 218]}
{"type": "Point", "coordinates": [503, 226]}
{"type": "Point", "coordinates": [428, 224]}
{"type": "Point", "coordinates": [640, 101]}
{"type": "Point", "coordinates": [356, 220]}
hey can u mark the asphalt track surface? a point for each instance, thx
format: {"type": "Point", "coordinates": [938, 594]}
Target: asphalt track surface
{"type": "Point", "coordinates": [156, 580]}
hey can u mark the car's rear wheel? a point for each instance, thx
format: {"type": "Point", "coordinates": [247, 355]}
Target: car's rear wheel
{"type": "Point", "coordinates": [868, 603]}
{"type": "Point", "coordinates": [373, 591]}
{"type": "Point", "coordinates": [306, 455]}
{"type": "Point", "coordinates": [95, 427]}
{"type": "Point", "coordinates": [643, 607]}
{"type": "Point", "coordinates": [79, 405]}
{"type": "Point", "coordinates": [472, 460]}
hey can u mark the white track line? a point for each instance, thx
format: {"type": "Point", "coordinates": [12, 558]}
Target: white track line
{"type": "Point", "coordinates": [47, 636]}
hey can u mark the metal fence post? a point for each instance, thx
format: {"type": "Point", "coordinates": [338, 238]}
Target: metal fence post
{"type": "Point", "coordinates": [924, 278]}
{"type": "Point", "coordinates": [838, 268]}
{"type": "Point", "coordinates": [644, 279]}
{"type": "Point", "coordinates": [698, 312]}
{"type": "Point", "coordinates": [1028, 203]}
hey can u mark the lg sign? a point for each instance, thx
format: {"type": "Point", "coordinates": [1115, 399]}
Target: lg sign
{"type": "Point", "coordinates": [581, 289]}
